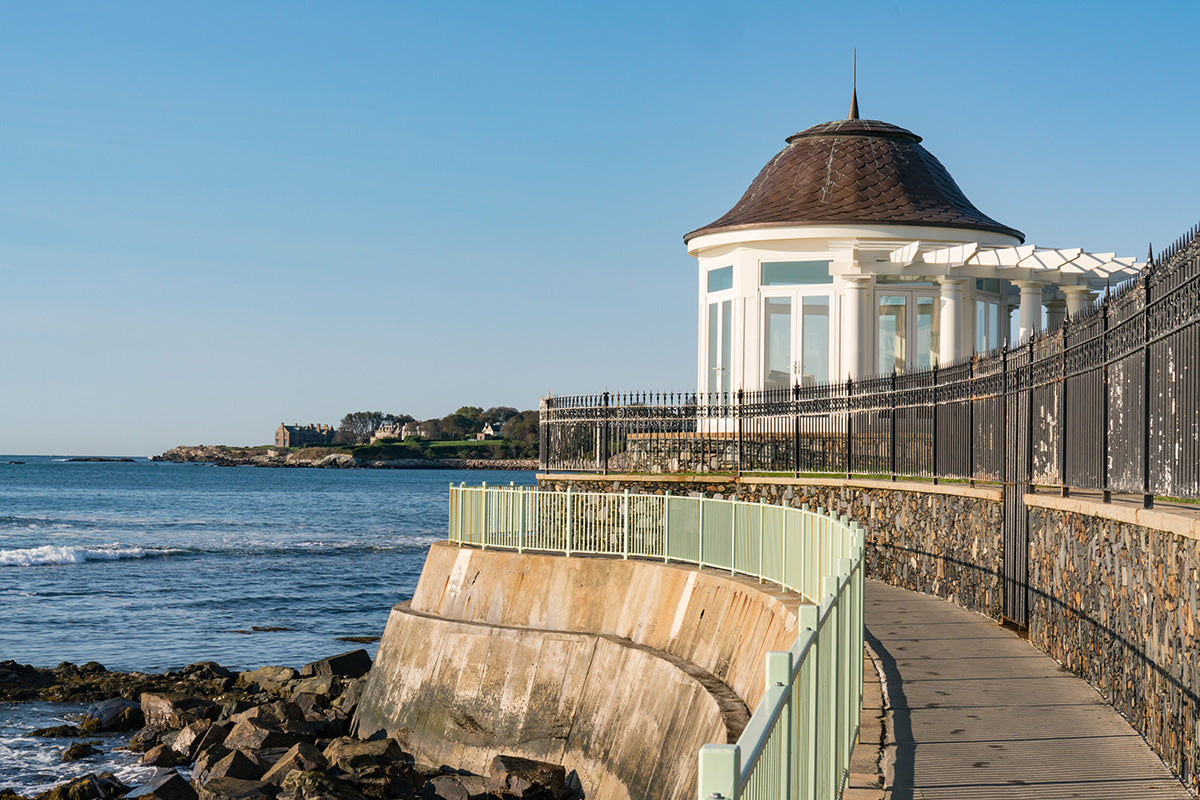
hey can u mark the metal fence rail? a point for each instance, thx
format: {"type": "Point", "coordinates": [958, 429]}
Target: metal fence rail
{"type": "Point", "coordinates": [1108, 402]}
{"type": "Point", "coordinates": [799, 738]}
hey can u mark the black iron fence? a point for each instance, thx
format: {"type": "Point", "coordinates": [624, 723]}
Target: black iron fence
{"type": "Point", "coordinates": [1109, 402]}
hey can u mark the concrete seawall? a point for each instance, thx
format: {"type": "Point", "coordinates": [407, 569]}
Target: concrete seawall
{"type": "Point", "coordinates": [619, 670]}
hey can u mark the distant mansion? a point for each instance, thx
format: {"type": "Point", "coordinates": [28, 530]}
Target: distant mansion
{"type": "Point", "coordinates": [299, 435]}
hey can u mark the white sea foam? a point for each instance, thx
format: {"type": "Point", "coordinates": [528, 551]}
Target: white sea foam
{"type": "Point", "coordinates": [49, 554]}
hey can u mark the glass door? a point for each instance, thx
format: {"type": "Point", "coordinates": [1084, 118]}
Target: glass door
{"type": "Point", "coordinates": [719, 364]}
{"type": "Point", "coordinates": [908, 329]}
{"type": "Point", "coordinates": [795, 339]}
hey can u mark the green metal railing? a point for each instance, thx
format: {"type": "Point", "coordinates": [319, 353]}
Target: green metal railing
{"type": "Point", "coordinates": [798, 741]}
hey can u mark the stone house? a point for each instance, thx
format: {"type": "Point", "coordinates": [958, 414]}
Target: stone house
{"type": "Point", "coordinates": [299, 435]}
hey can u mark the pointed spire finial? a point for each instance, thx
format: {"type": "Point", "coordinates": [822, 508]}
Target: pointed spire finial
{"type": "Point", "coordinates": [854, 90]}
{"type": "Point", "coordinates": [1150, 254]}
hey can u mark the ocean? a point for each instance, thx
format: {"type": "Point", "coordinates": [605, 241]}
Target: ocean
{"type": "Point", "coordinates": [152, 566]}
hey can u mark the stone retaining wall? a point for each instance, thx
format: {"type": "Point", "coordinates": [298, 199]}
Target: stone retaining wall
{"type": "Point", "coordinates": [1114, 589]}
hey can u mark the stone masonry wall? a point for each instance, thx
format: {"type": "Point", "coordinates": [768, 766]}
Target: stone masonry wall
{"type": "Point", "coordinates": [1116, 603]}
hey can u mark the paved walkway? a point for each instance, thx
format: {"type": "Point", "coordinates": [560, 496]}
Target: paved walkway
{"type": "Point", "coordinates": [980, 714]}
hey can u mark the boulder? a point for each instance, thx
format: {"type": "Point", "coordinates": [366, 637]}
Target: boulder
{"type": "Point", "coordinates": [250, 735]}
{"type": "Point", "coordinates": [162, 755]}
{"type": "Point", "coordinates": [526, 778]}
{"type": "Point", "coordinates": [187, 739]}
{"type": "Point", "coordinates": [78, 750]}
{"type": "Point", "coordinates": [237, 764]}
{"type": "Point", "coordinates": [205, 671]}
{"type": "Point", "coordinates": [348, 702]}
{"type": "Point", "coordinates": [146, 738]}
{"type": "Point", "coordinates": [214, 736]}
{"type": "Point", "coordinates": [270, 714]}
{"type": "Point", "coordinates": [205, 762]}
{"type": "Point", "coordinates": [236, 789]}
{"type": "Point", "coordinates": [351, 664]}
{"type": "Point", "coordinates": [87, 787]}
{"type": "Point", "coordinates": [117, 714]}
{"type": "Point", "coordinates": [444, 787]}
{"type": "Point", "coordinates": [302, 756]}
{"type": "Point", "coordinates": [323, 685]}
{"type": "Point", "coordinates": [364, 760]}
{"type": "Point", "coordinates": [9, 794]}
{"type": "Point", "coordinates": [174, 709]}
{"type": "Point", "coordinates": [313, 785]}
{"type": "Point", "coordinates": [57, 732]}
{"type": "Point", "coordinates": [311, 705]}
{"type": "Point", "coordinates": [267, 679]}
{"type": "Point", "coordinates": [167, 784]}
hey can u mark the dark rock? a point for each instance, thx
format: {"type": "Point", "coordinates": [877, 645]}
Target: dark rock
{"type": "Point", "coordinates": [174, 709]}
{"type": "Point", "coordinates": [352, 664]}
{"type": "Point", "coordinates": [268, 679]}
{"type": "Point", "coordinates": [206, 671]}
{"type": "Point", "coordinates": [214, 736]}
{"type": "Point", "coordinates": [9, 794]}
{"type": "Point", "coordinates": [312, 785]}
{"type": "Point", "coordinates": [205, 763]}
{"type": "Point", "coordinates": [187, 739]}
{"type": "Point", "coordinates": [78, 750]}
{"type": "Point", "coordinates": [236, 764]}
{"type": "Point", "coordinates": [250, 735]}
{"type": "Point", "coordinates": [363, 759]}
{"type": "Point", "coordinates": [270, 715]}
{"type": "Point", "coordinates": [444, 787]}
{"type": "Point", "coordinates": [311, 705]}
{"type": "Point", "coordinates": [117, 714]}
{"type": "Point", "coordinates": [327, 686]}
{"type": "Point", "coordinates": [236, 789]}
{"type": "Point", "coordinates": [145, 738]}
{"type": "Point", "coordinates": [167, 784]}
{"type": "Point", "coordinates": [348, 702]}
{"type": "Point", "coordinates": [87, 787]}
{"type": "Point", "coordinates": [526, 778]}
{"type": "Point", "coordinates": [162, 755]}
{"type": "Point", "coordinates": [303, 756]}
{"type": "Point", "coordinates": [57, 732]}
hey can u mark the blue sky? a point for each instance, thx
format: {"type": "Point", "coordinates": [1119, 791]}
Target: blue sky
{"type": "Point", "coordinates": [216, 217]}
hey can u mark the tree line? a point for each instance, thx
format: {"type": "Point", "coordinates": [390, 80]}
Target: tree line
{"type": "Point", "coordinates": [357, 427]}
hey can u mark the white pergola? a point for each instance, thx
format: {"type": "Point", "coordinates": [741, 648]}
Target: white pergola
{"type": "Point", "coordinates": [1079, 275]}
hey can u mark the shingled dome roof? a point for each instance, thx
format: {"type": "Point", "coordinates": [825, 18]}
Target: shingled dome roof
{"type": "Point", "coordinates": [854, 171]}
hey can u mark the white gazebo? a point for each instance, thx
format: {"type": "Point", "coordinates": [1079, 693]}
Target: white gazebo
{"type": "Point", "coordinates": [855, 253]}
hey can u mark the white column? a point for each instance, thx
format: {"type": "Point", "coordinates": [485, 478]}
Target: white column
{"type": "Point", "coordinates": [950, 333]}
{"type": "Point", "coordinates": [1031, 308]}
{"type": "Point", "coordinates": [1078, 298]}
{"type": "Point", "coordinates": [1056, 313]}
{"type": "Point", "coordinates": [856, 346]}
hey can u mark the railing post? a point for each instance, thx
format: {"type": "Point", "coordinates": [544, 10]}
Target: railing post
{"type": "Point", "coordinates": [700, 533]}
{"type": "Point", "coordinates": [1104, 387]}
{"type": "Point", "coordinates": [667, 527]}
{"type": "Point", "coordinates": [733, 515]}
{"type": "Point", "coordinates": [485, 518]}
{"type": "Point", "coordinates": [569, 521]}
{"type": "Point", "coordinates": [522, 515]}
{"type": "Point", "coordinates": [808, 618]}
{"type": "Point", "coordinates": [762, 511]}
{"type": "Point", "coordinates": [829, 689]}
{"type": "Point", "coordinates": [720, 771]}
{"type": "Point", "coordinates": [625, 534]}
{"type": "Point", "coordinates": [779, 675]}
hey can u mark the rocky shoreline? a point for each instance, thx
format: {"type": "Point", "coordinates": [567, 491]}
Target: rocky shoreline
{"type": "Point", "coordinates": [265, 457]}
{"type": "Point", "coordinates": [273, 733]}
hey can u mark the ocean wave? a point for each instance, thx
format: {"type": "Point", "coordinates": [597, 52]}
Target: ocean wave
{"type": "Point", "coordinates": [49, 554]}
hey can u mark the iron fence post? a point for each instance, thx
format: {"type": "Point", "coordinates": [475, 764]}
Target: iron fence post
{"type": "Point", "coordinates": [603, 449]}
{"type": "Point", "coordinates": [971, 420]}
{"type": "Point", "coordinates": [796, 427]}
{"type": "Point", "coordinates": [1104, 487]}
{"type": "Point", "coordinates": [1147, 497]}
{"type": "Point", "coordinates": [740, 397]}
{"type": "Point", "coordinates": [892, 436]}
{"type": "Point", "coordinates": [849, 426]}
{"type": "Point", "coordinates": [1062, 416]}
{"type": "Point", "coordinates": [935, 423]}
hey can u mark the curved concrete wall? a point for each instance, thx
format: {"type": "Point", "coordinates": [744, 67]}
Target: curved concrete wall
{"type": "Point", "coordinates": [1114, 588]}
{"type": "Point", "coordinates": [619, 670]}
{"type": "Point", "coordinates": [724, 624]}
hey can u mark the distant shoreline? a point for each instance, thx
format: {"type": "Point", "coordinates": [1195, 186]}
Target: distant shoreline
{"type": "Point", "coordinates": [222, 456]}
